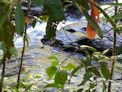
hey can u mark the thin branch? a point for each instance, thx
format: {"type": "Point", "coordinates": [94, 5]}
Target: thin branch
{"type": "Point", "coordinates": [3, 73]}
{"type": "Point", "coordinates": [113, 53]}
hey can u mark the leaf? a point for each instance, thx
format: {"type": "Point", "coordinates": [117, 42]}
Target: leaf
{"type": "Point", "coordinates": [61, 77]}
{"type": "Point", "coordinates": [4, 12]}
{"type": "Point", "coordinates": [55, 63]}
{"type": "Point", "coordinates": [69, 66]}
{"type": "Point", "coordinates": [112, 4]}
{"type": "Point", "coordinates": [54, 10]}
{"type": "Point", "coordinates": [33, 23]}
{"type": "Point", "coordinates": [94, 25]}
{"type": "Point", "coordinates": [117, 16]}
{"type": "Point", "coordinates": [50, 71]}
{"type": "Point", "coordinates": [94, 70]}
{"type": "Point", "coordinates": [13, 51]}
{"type": "Point", "coordinates": [119, 50]}
{"type": "Point", "coordinates": [52, 85]}
{"type": "Point", "coordinates": [104, 87]}
{"type": "Point", "coordinates": [89, 47]}
{"type": "Point", "coordinates": [52, 57]}
{"type": "Point", "coordinates": [105, 71]}
{"type": "Point", "coordinates": [19, 20]}
{"type": "Point", "coordinates": [105, 51]}
{"type": "Point", "coordinates": [75, 70]}
{"type": "Point", "coordinates": [86, 78]}
{"type": "Point", "coordinates": [38, 2]}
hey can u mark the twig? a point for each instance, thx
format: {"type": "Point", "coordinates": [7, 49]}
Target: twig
{"type": "Point", "coordinates": [113, 53]}
{"type": "Point", "coordinates": [3, 73]}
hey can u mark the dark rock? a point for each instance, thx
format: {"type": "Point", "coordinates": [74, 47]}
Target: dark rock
{"type": "Point", "coordinates": [71, 30]}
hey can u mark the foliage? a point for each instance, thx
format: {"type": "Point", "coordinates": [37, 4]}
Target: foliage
{"type": "Point", "coordinates": [95, 65]}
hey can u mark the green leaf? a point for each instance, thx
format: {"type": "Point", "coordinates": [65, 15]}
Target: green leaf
{"type": "Point", "coordinates": [104, 87]}
{"type": "Point", "coordinates": [34, 23]}
{"type": "Point", "coordinates": [88, 47]}
{"type": "Point", "coordinates": [4, 12]}
{"type": "Point", "coordinates": [119, 50]}
{"type": "Point", "coordinates": [52, 85]}
{"type": "Point", "coordinates": [94, 70]}
{"type": "Point", "coordinates": [112, 4]}
{"type": "Point", "coordinates": [38, 2]}
{"type": "Point", "coordinates": [86, 77]}
{"type": "Point", "coordinates": [51, 71]}
{"type": "Point", "coordinates": [105, 51]}
{"type": "Point", "coordinates": [52, 57]}
{"type": "Point", "coordinates": [13, 51]}
{"type": "Point", "coordinates": [75, 70]}
{"type": "Point", "coordinates": [19, 20]}
{"type": "Point", "coordinates": [69, 66]}
{"type": "Point", "coordinates": [104, 70]}
{"type": "Point", "coordinates": [93, 24]}
{"type": "Point", "coordinates": [55, 63]}
{"type": "Point", "coordinates": [61, 77]}
{"type": "Point", "coordinates": [117, 16]}
{"type": "Point", "coordinates": [54, 10]}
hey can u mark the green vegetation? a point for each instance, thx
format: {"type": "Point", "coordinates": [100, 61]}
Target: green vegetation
{"type": "Point", "coordinates": [97, 65]}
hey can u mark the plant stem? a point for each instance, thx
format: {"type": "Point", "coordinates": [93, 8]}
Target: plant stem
{"type": "Point", "coordinates": [113, 53]}
{"type": "Point", "coordinates": [3, 73]}
{"type": "Point", "coordinates": [21, 63]}
{"type": "Point", "coordinates": [24, 44]}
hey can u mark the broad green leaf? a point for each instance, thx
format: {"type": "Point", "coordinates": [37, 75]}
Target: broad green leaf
{"type": "Point", "coordinates": [54, 10]}
{"type": "Point", "coordinates": [13, 51]}
{"type": "Point", "coordinates": [69, 66]}
{"type": "Point", "coordinates": [55, 14]}
{"type": "Point", "coordinates": [51, 71]}
{"type": "Point", "coordinates": [93, 24]}
{"type": "Point", "coordinates": [117, 16]}
{"type": "Point", "coordinates": [55, 63]}
{"type": "Point", "coordinates": [38, 2]}
{"type": "Point", "coordinates": [19, 20]}
{"type": "Point", "coordinates": [61, 77]}
{"type": "Point", "coordinates": [119, 50]}
{"type": "Point", "coordinates": [104, 70]}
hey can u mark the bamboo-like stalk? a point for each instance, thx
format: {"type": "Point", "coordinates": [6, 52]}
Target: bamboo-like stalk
{"type": "Point", "coordinates": [22, 56]}
{"type": "Point", "coordinates": [23, 50]}
{"type": "Point", "coordinates": [113, 53]}
{"type": "Point", "coordinates": [3, 73]}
